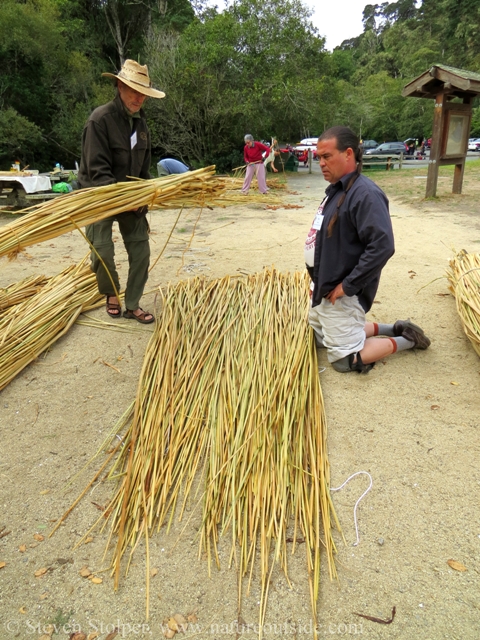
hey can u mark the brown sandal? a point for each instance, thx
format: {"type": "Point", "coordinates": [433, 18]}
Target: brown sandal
{"type": "Point", "coordinates": [114, 310]}
{"type": "Point", "coordinates": [142, 317]}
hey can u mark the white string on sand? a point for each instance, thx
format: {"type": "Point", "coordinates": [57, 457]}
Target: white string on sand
{"type": "Point", "coordinates": [358, 501]}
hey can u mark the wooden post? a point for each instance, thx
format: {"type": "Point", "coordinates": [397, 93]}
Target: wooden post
{"type": "Point", "coordinates": [310, 155]}
{"type": "Point", "coordinates": [458, 178]}
{"type": "Point", "coordinates": [436, 148]}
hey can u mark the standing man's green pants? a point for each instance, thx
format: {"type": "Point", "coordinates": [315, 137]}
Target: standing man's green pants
{"type": "Point", "coordinates": [134, 231]}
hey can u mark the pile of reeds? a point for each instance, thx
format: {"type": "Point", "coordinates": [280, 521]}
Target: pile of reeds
{"type": "Point", "coordinates": [58, 216]}
{"type": "Point", "coordinates": [18, 292]}
{"type": "Point", "coordinates": [272, 183]}
{"type": "Point", "coordinates": [30, 327]}
{"type": "Point", "coordinates": [229, 392]}
{"type": "Point", "coordinates": [464, 278]}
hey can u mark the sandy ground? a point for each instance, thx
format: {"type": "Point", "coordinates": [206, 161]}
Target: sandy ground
{"type": "Point", "coordinates": [412, 424]}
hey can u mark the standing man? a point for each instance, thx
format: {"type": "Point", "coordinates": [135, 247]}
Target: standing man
{"type": "Point", "coordinates": [350, 242]}
{"type": "Point", "coordinates": [115, 147]}
{"type": "Point", "coordinates": [253, 155]}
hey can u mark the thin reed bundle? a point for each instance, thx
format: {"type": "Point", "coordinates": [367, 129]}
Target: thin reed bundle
{"type": "Point", "coordinates": [464, 277]}
{"type": "Point", "coordinates": [17, 292]}
{"type": "Point", "coordinates": [79, 208]}
{"type": "Point", "coordinates": [29, 328]}
{"type": "Point", "coordinates": [229, 392]}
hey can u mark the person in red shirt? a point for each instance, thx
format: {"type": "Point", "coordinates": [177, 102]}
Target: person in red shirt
{"type": "Point", "coordinates": [253, 154]}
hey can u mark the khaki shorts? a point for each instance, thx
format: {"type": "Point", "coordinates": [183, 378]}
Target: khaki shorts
{"type": "Point", "coordinates": [339, 327]}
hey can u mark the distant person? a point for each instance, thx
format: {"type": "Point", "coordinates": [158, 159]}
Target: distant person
{"type": "Point", "coordinates": [169, 166]}
{"type": "Point", "coordinates": [270, 159]}
{"type": "Point", "coordinates": [253, 155]}
{"type": "Point", "coordinates": [349, 243]}
{"type": "Point", "coordinates": [115, 147]}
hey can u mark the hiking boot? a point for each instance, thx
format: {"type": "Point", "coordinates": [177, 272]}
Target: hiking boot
{"type": "Point", "coordinates": [412, 332]}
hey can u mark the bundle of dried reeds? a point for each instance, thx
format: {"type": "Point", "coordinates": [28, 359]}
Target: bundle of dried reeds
{"type": "Point", "coordinates": [18, 292]}
{"type": "Point", "coordinates": [272, 183]}
{"type": "Point", "coordinates": [464, 277]}
{"type": "Point", "coordinates": [30, 327]}
{"type": "Point", "coordinates": [79, 208]}
{"type": "Point", "coordinates": [229, 391]}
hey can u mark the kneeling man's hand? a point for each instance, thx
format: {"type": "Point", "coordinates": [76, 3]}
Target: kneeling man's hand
{"type": "Point", "coordinates": [338, 292]}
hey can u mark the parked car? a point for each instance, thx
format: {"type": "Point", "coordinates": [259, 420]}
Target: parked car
{"type": "Point", "coordinates": [387, 148]}
{"type": "Point", "coordinates": [308, 142]}
{"type": "Point", "coordinates": [474, 144]}
{"type": "Point", "coordinates": [369, 144]}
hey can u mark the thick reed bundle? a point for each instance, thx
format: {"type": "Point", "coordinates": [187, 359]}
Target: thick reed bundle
{"type": "Point", "coordinates": [230, 388]}
{"type": "Point", "coordinates": [17, 292]}
{"type": "Point", "coordinates": [464, 277]}
{"type": "Point", "coordinates": [79, 208]}
{"type": "Point", "coordinates": [29, 328]}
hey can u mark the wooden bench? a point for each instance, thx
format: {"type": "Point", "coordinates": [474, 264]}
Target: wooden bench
{"type": "Point", "coordinates": [388, 160]}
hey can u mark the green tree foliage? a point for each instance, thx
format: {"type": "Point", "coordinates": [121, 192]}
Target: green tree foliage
{"type": "Point", "coordinates": [18, 137]}
{"type": "Point", "coordinates": [258, 67]}
{"type": "Point", "coordinates": [240, 71]}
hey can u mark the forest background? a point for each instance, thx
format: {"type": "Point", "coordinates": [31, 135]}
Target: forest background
{"type": "Point", "coordinates": [258, 66]}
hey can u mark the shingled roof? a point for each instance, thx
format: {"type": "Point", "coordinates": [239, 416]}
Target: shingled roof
{"type": "Point", "coordinates": [440, 78]}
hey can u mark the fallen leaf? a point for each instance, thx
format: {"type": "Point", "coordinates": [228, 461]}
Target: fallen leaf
{"type": "Point", "coordinates": [181, 622]}
{"type": "Point", "coordinates": [33, 545]}
{"type": "Point", "coordinates": [93, 635]}
{"type": "Point", "coordinates": [22, 610]}
{"type": "Point", "coordinates": [435, 406]}
{"type": "Point", "coordinates": [40, 572]}
{"type": "Point", "coordinates": [88, 540]}
{"type": "Point", "coordinates": [78, 635]}
{"type": "Point", "coordinates": [22, 548]}
{"type": "Point", "coordinates": [153, 572]}
{"type": "Point", "coordinates": [97, 580]}
{"type": "Point", "coordinates": [192, 617]}
{"type": "Point", "coordinates": [458, 566]}
{"type": "Point", "coordinates": [172, 624]}
{"type": "Point", "coordinates": [455, 383]}
{"type": "Point", "coordinates": [85, 572]}
{"type": "Point", "coordinates": [112, 635]}
{"type": "Point", "coordinates": [38, 537]}
{"type": "Point", "coordinates": [44, 492]}
{"type": "Point", "coordinates": [43, 596]}
{"type": "Point", "coordinates": [49, 629]}
{"type": "Point", "coordinates": [169, 633]}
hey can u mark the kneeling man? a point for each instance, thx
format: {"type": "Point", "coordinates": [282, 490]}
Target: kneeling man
{"type": "Point", "coordinates": [350, 242]}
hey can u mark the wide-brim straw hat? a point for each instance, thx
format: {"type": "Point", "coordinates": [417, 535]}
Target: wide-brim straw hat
{"type": "Point", "coordinates": [136, 77]}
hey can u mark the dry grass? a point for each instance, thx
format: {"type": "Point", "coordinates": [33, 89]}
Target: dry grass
{"type": "Point", "coordinates": [408, 185]}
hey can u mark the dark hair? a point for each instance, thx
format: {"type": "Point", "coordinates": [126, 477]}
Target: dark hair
{"type": "Point", "coordinates": [345, 139]}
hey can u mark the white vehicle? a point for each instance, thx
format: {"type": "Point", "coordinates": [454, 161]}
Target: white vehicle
{"type": "Point", "coordinates": [308, 142]}
{"type": "Point", "coordinates": [474, 144]}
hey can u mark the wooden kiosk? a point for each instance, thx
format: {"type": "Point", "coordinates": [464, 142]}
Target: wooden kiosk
{"type": "Point", "coordinates": [451, 120]}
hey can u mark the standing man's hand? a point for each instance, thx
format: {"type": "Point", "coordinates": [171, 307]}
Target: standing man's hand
{"type": "Point", "coordinates": [338, 292]}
